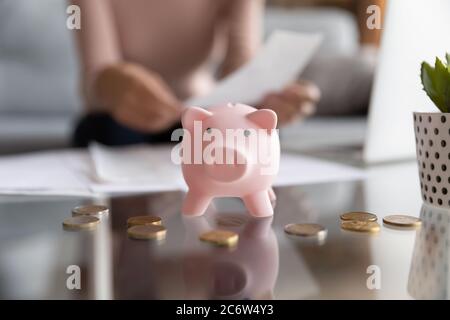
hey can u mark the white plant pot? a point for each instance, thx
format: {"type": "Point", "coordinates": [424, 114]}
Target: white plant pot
{"type": "Point", "coordinates": [432, 132]}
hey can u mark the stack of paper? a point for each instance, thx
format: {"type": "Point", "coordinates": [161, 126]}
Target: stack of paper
{"type": "Point", "coordinates": [135, 168]}
{"type": "Point", "coordinates": [56, 173]}
{"type": "Point", "coordinates": [143, 168]}
{"type": "Point", "coordinates": [106, 170]}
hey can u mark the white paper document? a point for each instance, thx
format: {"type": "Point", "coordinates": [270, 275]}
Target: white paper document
{"type": "Point", "coordinates": [134, 169]}
{"type": "Point", "coordinates": [297, 169]}
{"type": "Point", "coordinates": [106, 170]}
{"type": "Point", "coordinates": [141, 168]}
{"type": "Point", "coordinates": [46, 173]}
{"type": "Point", "coordinates": [280, 61]}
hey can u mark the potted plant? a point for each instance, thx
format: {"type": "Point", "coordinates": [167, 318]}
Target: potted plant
{"type": "Point", "coordinates": [432, 132]}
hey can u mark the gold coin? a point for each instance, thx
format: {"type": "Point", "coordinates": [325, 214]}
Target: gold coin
{"type": "Point", "coordinates": [399, 220]}
{"type": "Point", "coordinates": [231, 221]}
{"type": "Point", "coordinates": [80, 223]}
{"type": "Point", "coordinates": [143, 221]}
{"type": "Point", "coordinates": [146, 232]}
{"type": "Point", "coordinates": [220, 238]}
{"type": "Point", "coordinates": [306, 230]}
{"type": "Point", "coordinates": [89, 210]}
{"type": "Point", "coordinates": [360, 226]}
{"type": "Point", "coordinates": [358, 216]}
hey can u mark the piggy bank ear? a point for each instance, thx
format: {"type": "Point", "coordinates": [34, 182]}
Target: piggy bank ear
{"type": "Point", "coordinates": [264, 118]}
{"type": "Point", "coordinates": [192, 114]}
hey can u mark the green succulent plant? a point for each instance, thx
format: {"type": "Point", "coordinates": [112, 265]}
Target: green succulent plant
{"type": "Point", "coordinates": [436, 82]}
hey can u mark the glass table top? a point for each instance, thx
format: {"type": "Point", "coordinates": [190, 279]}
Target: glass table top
{"type": "Point", "coordinates": [36, 253]}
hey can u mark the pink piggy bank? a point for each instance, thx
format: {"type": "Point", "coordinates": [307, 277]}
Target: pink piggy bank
{"type": "Point", "coordinates": [231, 150]}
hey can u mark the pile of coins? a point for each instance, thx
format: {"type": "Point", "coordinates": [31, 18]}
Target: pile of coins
{"type": "Point", "coordinates": [141, 227]}
{"type": "Point", "coordinates": [85, 217]}
{"type": "Point", "coordinates": [367, 222]}
{"type": "Point", "coordinates": [146, 228]}
{"type": "Point", "coordinates": [360, 222]}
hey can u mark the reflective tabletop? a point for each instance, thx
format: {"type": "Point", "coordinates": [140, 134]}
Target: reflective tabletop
{"type": "Point", "coordinates": [37, 255]}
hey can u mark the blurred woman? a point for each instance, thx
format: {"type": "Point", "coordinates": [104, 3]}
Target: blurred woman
{"type": "Point", "coordinates": [142, 58]}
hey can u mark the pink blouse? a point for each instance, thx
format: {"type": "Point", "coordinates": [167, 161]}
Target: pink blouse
{"type": "Point", "coordinates": [179, 39]}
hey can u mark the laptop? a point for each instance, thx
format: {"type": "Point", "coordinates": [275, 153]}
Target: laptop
{"type": "Point", "coordinates": [414, 31]}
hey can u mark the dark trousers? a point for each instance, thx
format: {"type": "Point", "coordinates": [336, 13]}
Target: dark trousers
{"type": "Point", "coordinates": [104, 129]}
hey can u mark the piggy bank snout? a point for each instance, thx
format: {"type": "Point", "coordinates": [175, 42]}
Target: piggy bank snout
{"type": "Point", "coordinates": [226, 165]}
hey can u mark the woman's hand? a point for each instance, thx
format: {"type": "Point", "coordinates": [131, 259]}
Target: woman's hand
{"type": "Point", "coordinates": [137, 98]}
{"type": "Point", "coordinates": [296, 101]}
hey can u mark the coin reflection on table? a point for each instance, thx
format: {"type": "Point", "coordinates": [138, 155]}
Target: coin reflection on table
{"type": "Point", "coordinates": [143, 220]}
{"type": "Point", "coordinates": [231, 220]}
{"type": "Point", "coordinates": [147, 232]}
{"type": "Point", "coordinates": [249, 271]}
{"type": "Point", "coordinates": [360, 226]}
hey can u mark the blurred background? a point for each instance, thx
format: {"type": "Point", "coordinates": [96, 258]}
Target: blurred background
{"type": "Point", "coordinates": [40, 98]}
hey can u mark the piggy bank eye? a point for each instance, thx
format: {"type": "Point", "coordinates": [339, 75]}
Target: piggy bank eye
{"type": "Point", "coordinates": [246, 132]}
{"type": "Point", "coordinates": [208, 130]}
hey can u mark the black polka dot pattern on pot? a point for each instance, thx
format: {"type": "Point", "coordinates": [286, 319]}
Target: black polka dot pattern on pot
{"type": "Point", "coordinates": [433, 155]}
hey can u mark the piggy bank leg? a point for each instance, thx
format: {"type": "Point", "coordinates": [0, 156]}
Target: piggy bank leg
{"type": "Point", "coordinates": [258, 204]}
{"type": "Point", "coordinates": [272, 197]}
{"type": "Point", "coordinates": [195, 204]}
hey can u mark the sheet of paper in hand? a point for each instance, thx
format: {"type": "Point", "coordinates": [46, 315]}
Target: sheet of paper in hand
{"type": "Point", "coordinates": [280, 61]}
